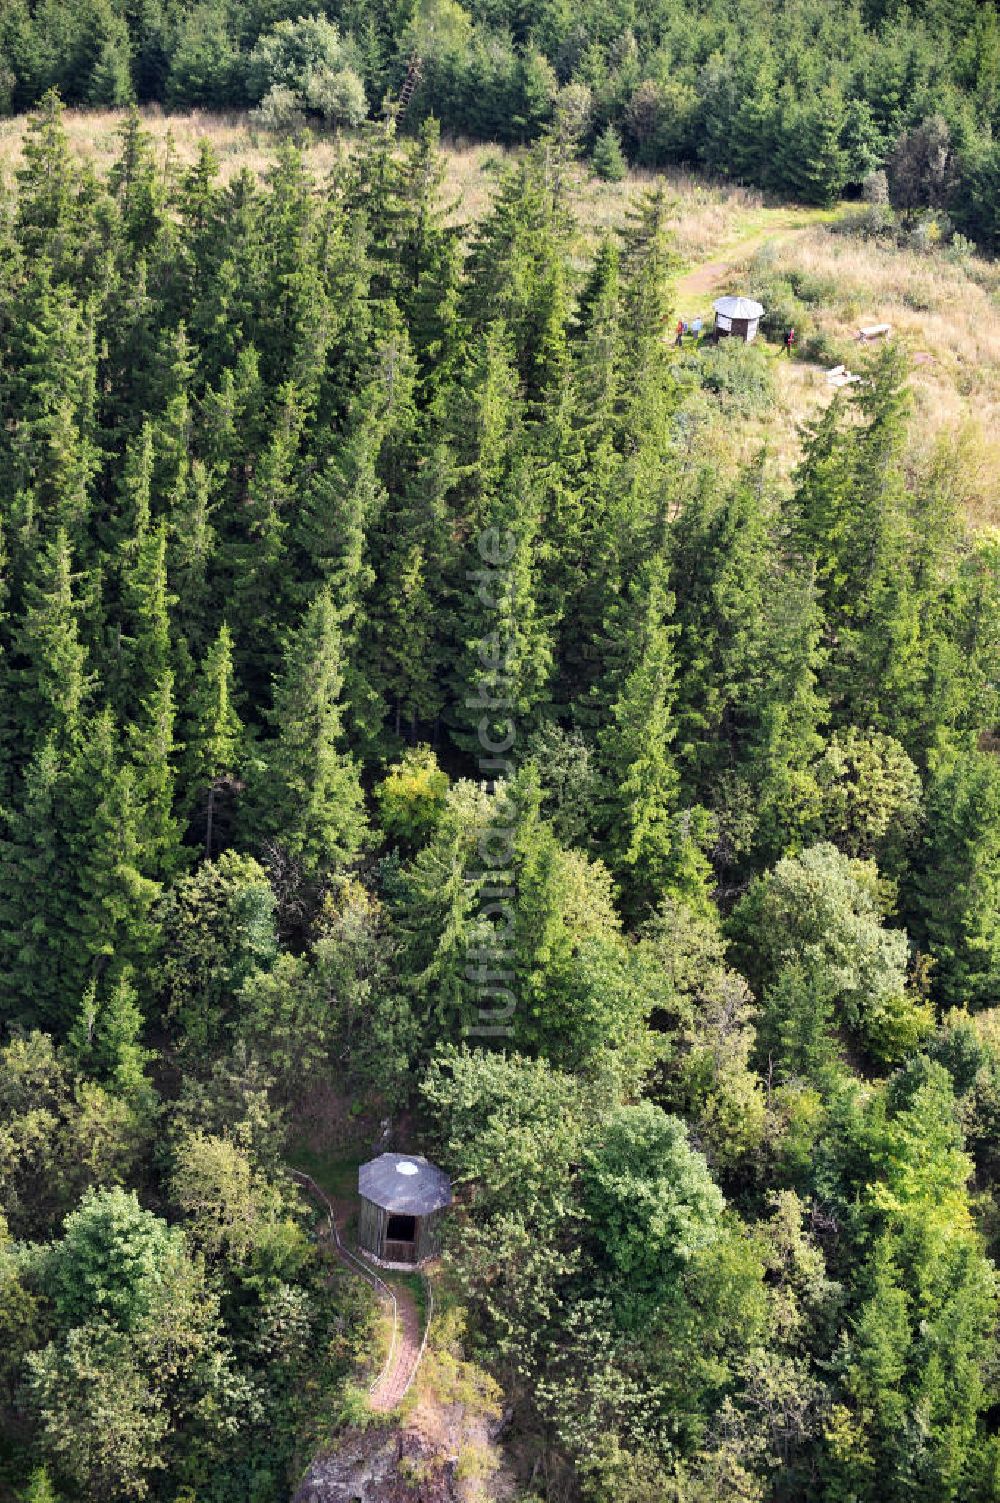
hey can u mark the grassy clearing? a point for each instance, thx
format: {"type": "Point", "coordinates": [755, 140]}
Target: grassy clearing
{"type": "Point", "coordinates": [705, 216]}
{"type": "Point", "coordinates": [335, 1173]}
{"type": "Point", "coordinates": [948, 316]}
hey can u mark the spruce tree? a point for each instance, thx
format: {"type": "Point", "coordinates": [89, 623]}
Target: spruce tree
{"type": "Point", "coordinates": [136, 184]}
{"type": "Point", "coordinates": [504, 657]}
{"type": "Point", "coordinates": [53, 455]}
{"type": "Point", "coordinates": [109, 922]}
{"type": "Point", "coordinates": [35, 880]}
{"type": "Point", "coordinates": [47, 187]}
{"type": "Point", "coordinates": [641, 779]}
{"type": "Point", "coordinates": [649, 262]}
{"type": "Point", "coordinates": [812, 160]}
{"type": "Point", "coordinates": [519, 273]}
{"type": "Point", "coordinates": [192, 551]}
{"type": "Point", "coordinates": [54, 683]}
{"type": "Point", "coordinates": [310, 800]}
{"type": "Point", "coordinates": [608, 159]}
{"type": "Point", "coordinates": [257, 549]}
{"type": "Point", "coordinates": [104, 1039]}
{"type": "Point", "coordinates": [146, 652]}
{"type": "Point", "coordinates": [153, 752]}
{"type": "Point", "coordinates": [214, 751]}
{"type": "Point", "coordinates": [400, 655]}
{"type": "Point", "coordinates": [953, 896]}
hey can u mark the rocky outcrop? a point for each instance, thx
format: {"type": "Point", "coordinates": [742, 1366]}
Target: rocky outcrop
{"type": "Point", "coordinates": [382, 1466]}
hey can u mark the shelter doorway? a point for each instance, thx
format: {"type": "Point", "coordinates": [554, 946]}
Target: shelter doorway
{"type": "Point", "coordinates": [401, 1229]}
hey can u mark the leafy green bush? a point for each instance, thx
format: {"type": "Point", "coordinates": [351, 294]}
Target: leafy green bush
{"type": "Point", "coordinates": [783, 308]}
{"type": "Point", "coordinates": [739, 375]}
{"type": "Point", "coordinates": [280, 110]}
{"type": "Point", "coordinates": [825, 348]}
{"type": "Point", "coordinates": [301, 65]}
{"type": "Point", "coordinates": [875, 221]}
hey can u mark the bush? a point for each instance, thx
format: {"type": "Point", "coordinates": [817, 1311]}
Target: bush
{"type": "Point", "coordinates": [922, 169]}
{"type": "Point", "coordinates": [301, 66]}
{"type": "Point", "coordinates": [412, 797]}
{"type": "Point", "coordinates": [875, 188]}
{"type": "Point", "coordinates": [739, 375]}
{"type": "Point", "coordinates": [660, 119]}
{"type": "Point", "coordinates": [960, 250]}
{"type": "Point", "coordinates": [574, 114]}
{"type": "Point", "coordinates": [825, 348]}
{"type": "Point", "coordinates": [876, 221]}
{"type": "Point", "coordinates": [291, 53]}
{"type": "Point", "coordinates": [280, 110]}
{"type": "Point", "coordinates": [783, 309]}
{"type": "Point", "coordinates": [338, 96]}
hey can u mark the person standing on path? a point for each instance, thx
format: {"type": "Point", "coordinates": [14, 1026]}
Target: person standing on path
{"type": "Point", "coordinates": [789, 339]}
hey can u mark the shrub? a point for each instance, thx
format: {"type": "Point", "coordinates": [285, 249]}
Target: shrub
{"type": "Point", "coordinates": [875, 188]}
{"type": "Point", "coordinates": [960, 250]}
{"type": "Point", "coordinates": [825, 348]}
{"type": "Point", "coordinates": [922, 169]}
{"type": "Point", "coordinates": [783, 309]}
{"type": "Point", "coordinates": [660, 119]}
{"type": "Point", "coordinates": [876, 221]}
{"type": "Point", "coordinates": [574, 113]}
{"type": "Point", "coordinates": [290, 53]}
{"type": "Point", "coordinates": [338, 96]}
{"type": "Point", "coordinates": [412, 796]}
{"type": "Point", "coordinates": [301, 66]}
{"type": "Point", "coordinates": [740, 376]}
{"type": "Point", "coordinates": [280, 110]}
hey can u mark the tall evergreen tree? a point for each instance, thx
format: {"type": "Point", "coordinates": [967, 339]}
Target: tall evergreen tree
{"type": "Point", "coordinates": [109, 922]}
{"type": "Point", "coordinates": [53, 679]}
{"type": "Point", "coordinates": [35, 860]}
{"type": "Point", "coordinates": [310, 800]}
{"type": "Point", "coordinates": [214, 752]}
{"type": "Point", "coordinates": [641, 779]}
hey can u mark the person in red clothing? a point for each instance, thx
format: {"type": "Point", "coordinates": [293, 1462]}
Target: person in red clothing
{"type": "Point", "coordinates": [680, 332]}
{"type": "Point", "coordinates": [789, 340]}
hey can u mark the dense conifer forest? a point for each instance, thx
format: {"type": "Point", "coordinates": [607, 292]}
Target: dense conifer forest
{"type": "Point", "coordinates": [400, 703]}
{"type": "Point", "coordinates": [808, 98]}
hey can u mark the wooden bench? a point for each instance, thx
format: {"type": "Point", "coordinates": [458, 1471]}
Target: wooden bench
{"type": "Point", "coordinates": [874, 331]}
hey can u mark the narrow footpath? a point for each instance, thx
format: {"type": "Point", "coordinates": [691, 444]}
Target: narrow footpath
{"type": "Point", "coordinates": [408, 1336]}
{"type": "Point", "coordinates": [392, 1385]}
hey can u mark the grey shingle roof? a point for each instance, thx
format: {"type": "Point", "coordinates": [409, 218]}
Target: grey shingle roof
{"type": "Point", "coordinates": [738, 307]}
{"type": "Point", "coordinates": [404, 1182]}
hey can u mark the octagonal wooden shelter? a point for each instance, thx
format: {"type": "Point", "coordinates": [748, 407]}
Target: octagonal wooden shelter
{"type": "Point", "coordinates": [737, 318]}
{"type": "Point", "coordinates": [403, 1197]}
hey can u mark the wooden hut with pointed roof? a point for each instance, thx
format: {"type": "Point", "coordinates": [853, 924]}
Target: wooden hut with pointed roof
{"type": "Point", "coordinates": [403, 1197]}
{"type": "Point", "coordinates": [737, 318]}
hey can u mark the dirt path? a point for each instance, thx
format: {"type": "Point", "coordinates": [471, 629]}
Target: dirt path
{"type": "Point", "coordinates": [396, 1377]}
{"type": "Point", "coordinates": [709, 276]}
{"type": "Point", "coordinates": [408, 1334]}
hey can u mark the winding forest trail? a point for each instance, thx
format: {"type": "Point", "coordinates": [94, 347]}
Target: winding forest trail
{"type": "Point", "coordinates": [394, 1381]}
{"type": "Point", "coordinates": [407, 1332]}
{"type": "Point", "coordinates": [779, 224]}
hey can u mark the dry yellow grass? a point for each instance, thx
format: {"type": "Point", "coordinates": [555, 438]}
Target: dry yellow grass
{"type": "Point", "coordinates": [704, 214]}
{"type": "Point", "coordinates": [947, 311]}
